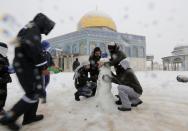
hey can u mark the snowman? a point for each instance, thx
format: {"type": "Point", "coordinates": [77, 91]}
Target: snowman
{"type": "Point", "coordinates": [104, 97]}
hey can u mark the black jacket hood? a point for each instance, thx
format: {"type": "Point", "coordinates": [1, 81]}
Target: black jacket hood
{"type": "Point", "coordinates": [44, 24]}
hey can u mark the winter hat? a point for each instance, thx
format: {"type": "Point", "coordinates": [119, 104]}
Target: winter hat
{"type": "Point", "coordinates": [3, 49]}
{"type": "Point", "coordinates": [125, 64]}
{"type": "Point", "coordinates": [45, 45]}
{"type": "Point", "coordinates": [112, 46]}
{"type": "Point", "coordinates": [44, 23]}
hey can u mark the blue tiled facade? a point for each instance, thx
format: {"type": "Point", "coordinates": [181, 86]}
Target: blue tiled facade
{"type": "Point", "coordinates": [83, 41]}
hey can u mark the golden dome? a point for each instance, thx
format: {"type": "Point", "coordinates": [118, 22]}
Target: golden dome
{"type": "Point", "coordinates": [96, 19]}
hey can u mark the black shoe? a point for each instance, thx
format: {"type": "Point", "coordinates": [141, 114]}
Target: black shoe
{"type": "Point", "coordinates": [35, 119]}
{"type": "Point", "coordinates": [118, 102]}
{"type": "Point", "coordinates": [135, 105]}
{"type": "Point", "coordinates": [5, 121]}
{"type": "Point", "coordinates": [124, 109]}
{"type": "Point", "coordinates": [77, 96]}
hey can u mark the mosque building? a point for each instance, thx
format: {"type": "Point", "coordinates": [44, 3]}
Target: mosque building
{"type": "Point", "coordinates": [178, 61]}
{"type": "Point", "coordinates": [97, 29]}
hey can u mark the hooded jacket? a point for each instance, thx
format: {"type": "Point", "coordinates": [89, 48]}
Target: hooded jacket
{"type": "Point", "coordinates": [127, 77]}
{"type": "Point", "coordinates": [29, 58]}
{"type": "Point", "coordinates": [81, 77]}
{"type": "Point", "coordinates": [124, 74]}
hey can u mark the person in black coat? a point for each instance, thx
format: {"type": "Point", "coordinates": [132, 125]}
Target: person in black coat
{"type": "Point", "coordinates": [94, 65]}
{"type": "Point", "coordinates": [4, 76]}
{"type": "Point", "coordinates": [129, 87]}
{"type": "Point", "coordinates": [76, 63]}
{"type": "Point", "coordinates": [82, 82]}
{"type": "Point", "coordinates": [30, 64]}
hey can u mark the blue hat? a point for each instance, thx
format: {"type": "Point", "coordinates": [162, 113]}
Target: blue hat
{"type": "Point", "coordinates": [45, 45]}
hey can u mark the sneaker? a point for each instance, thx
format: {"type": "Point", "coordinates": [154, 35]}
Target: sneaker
{"type": "Point", "coordinates": [124, 109]}
{"type": "Point", "coordinates": [35, 119]}
{"type": "Point", "coordinates": [135, 105]}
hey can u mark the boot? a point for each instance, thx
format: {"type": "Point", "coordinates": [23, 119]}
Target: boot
{"type": "Point", "coordinates": [77, 96]}
{"type": "Point", "coordinates": [34, 119]}
{"type": "Point", "coordinates": [30, 115]}
{"type": "Point", "coordinates": [9, 121]}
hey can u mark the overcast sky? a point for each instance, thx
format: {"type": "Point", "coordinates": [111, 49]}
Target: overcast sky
{"type": "Point", "coordinates": [163, 22]}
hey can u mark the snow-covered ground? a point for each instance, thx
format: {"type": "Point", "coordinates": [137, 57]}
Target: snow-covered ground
{"type": "Point", "coordinates": [165, 106]}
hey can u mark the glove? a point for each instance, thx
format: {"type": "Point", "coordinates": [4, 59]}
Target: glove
{"type": "Point", "coordinates": [106, 78]}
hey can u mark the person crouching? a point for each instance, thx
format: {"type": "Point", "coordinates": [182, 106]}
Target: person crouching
{"type": "Point", "coordinates": [129, 87]}
{"type": "Point", "coordinates": [82, 81]}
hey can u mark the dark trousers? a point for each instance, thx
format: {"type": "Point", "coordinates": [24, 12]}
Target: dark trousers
{"type": "Point", "coordinates": [87, 90]}
{"type": "Point", "coordinates": [28, 104]}
{"type": "Point", "coordinates": [3, 95]}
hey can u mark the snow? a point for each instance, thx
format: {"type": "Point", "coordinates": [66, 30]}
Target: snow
{"type": "Point", "coordinates": [165, 106]}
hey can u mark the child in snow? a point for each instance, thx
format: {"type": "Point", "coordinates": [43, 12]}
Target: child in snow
{"type": "Point", "coordinates": [129, 87]}
{"type": "Point", "coordinates": [30, 64]}
{"type": "Point", "coordinates": [4, 76]}
{"type": "Point", "coordinates": [82, 81]}
{"type": "Point", "coordinates": [50, 63]}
